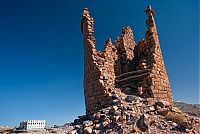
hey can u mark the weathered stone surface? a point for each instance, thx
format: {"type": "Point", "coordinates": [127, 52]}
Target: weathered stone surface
{"type": "Point", "coordinates": [137, 120]}
{"type": "Point", "coordinates": [139, 72]}
{"type": "Point", "coordinates": [126, 86]}
{"type": "Point", "coordinates": [87, 130]}
{"type": "Point", "coordinates": [73, 132]}
{"type": "Point", "coordinates": [114, 109]}
{"type": "Point", "coordinates": [162, 111]}
{"type": "Point", "coordinates": [163, 104]}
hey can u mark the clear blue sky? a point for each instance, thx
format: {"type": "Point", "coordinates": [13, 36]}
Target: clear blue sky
{"type": "Point", "coordinates": [41, 52]}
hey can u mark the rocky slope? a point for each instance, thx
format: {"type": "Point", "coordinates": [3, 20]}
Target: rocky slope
{"type": "Point", "coordinates": [191, 109]}
{"type": "Point", "coordinates": [132, 114]}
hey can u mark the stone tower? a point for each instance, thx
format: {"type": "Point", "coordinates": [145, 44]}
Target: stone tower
{"type": "Point", "coordinates": [123, 67]}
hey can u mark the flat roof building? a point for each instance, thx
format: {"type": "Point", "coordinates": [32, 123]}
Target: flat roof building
{"type": "Point", "coordinates": [32, 125]}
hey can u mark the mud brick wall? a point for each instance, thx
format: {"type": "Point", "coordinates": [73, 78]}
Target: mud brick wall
{"type": "Point", "coordinates": [101, 69]}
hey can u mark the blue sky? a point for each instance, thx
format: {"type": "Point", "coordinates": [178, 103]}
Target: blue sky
{"type": "Point", "coordinates": [41, 52]}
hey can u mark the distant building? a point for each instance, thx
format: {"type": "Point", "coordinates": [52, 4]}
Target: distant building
{"type": "Point", "coordinates": [32, 125]}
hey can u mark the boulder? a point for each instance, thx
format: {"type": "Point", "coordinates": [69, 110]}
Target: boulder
{"type": "Point", "coordinates": [132, 98]}
{"type": "Point", "coordinates": [163, 103]}
{"type": "Point", "coordinates": [162, 111]}
{"type": "Point", "coordinates": [104, 124]}
{"type": "Point", "coordinates": [87, 123]}
{"type": "Point", "coordinates": [115, 119]}
{"type": "Point", "coordinates": [87, 130]}
{"type": "Point", "coordinates": [73, 132]}
{"type": "Point", "coordinates": [113, 109]}
{"type": "Point", "coordinates": [176, 110]}
{"type": "Point", "coordinates": [151, 109]}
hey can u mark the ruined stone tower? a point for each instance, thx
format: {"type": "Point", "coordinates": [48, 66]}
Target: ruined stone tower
{"type": "Point", "coordinates": [123, 67]}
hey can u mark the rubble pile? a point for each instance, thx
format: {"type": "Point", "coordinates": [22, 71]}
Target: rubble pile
{"type": "Point", "coordinates": [132, 114]}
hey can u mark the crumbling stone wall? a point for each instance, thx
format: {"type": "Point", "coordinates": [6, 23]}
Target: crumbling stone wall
{"type": "Point", "coordinates": [158, 86]}
{"type": "Point", "coordinates": [98, 68]}
{"type": "Point", "coordinates": [123, 65]}
{"type": "Point", "coordinates": [125, 50]}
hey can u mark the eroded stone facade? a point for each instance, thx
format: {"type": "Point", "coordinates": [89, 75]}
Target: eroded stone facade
{"type": "Point", "coordinates": [123, 66]}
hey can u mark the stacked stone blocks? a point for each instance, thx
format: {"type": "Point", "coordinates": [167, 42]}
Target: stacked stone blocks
{"type": "Point", "coordinates": [123, 65]}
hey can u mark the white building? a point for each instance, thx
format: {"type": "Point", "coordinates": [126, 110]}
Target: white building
{"type": "Point", "coordinates": [32, 125]}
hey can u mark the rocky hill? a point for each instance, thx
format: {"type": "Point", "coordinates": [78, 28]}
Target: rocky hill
{"type": "Point", "coordinates": [191, 109]}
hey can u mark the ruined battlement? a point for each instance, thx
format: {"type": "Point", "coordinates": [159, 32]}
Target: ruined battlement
{"type": "Point", "coordinates": [123, 67]}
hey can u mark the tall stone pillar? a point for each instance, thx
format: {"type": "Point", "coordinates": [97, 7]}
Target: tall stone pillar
{"type": "Point", "coordinates": [98, 68]}
{"type": "Point", "coordinates": [159, 86]}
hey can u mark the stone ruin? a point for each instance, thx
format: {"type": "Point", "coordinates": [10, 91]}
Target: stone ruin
{"type": "Point", "coordinates": [123, 66]}
{"type": "Point", "coordinates": [126, 87]}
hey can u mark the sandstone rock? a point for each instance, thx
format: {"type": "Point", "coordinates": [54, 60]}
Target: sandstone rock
{"type": "Point", "coordinates": [114, 109]}
{"type": "Point", "coordinates": [163, 103]}
{"type": "Point", "coordinates": [123, 98]}
{"type": "Point", "coordinates": [143, 99]}
{"type": "Point", "coordinates": [97, 126]}
{"type": "Point", "coordinates": [96, 121]}
{"type": "Point", "coordinates": [87, 123]}
{"type": "Point", "coordinates": [115, 119]}
{"type": "Point", "coordinates": [162, 111]}
{"type": "Point", "coordinates": [176, 110]}
{"type": "Point", "coordinates": [136, 130]}
{"type": "Point", "coordinates": [73, 132]}
{"type": "Point", "coordinates": [187, 130]}
{"type": "Point", "coordinates": [104, 124]}
{"type": "Point", "coordinates": [87, 130]}
{"type": "Point", "coordinates": [152, 121]}
{"type": "Point", "coordinates": [174, 124]}
{"type": "Point", "coordinates": [151, 108]}
{"type": "Point", "coordinates": [96, 131]}
{"type": "Point", "coordinates": [138, 104]}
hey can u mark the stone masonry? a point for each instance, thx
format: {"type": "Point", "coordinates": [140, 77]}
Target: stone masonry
{"type": "Point", "coordinates": [134, 69]}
